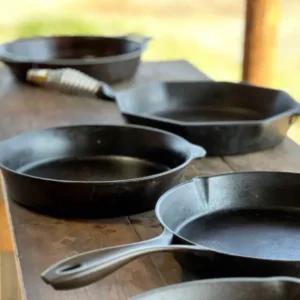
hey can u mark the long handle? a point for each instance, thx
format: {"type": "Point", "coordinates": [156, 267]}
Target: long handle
{"type": "Point", "coordinates": [89, 267]}
{"type": "Point", "coordinates": [71, 81]}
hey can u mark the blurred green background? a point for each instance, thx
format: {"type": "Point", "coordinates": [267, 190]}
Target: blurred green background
{"type": "Point", "coordinates": [207, 33]}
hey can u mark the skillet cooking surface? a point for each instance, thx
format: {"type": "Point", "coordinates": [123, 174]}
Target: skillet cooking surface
{"type": "Point", "coordinates": [94, 168]}
{"type": "Point", "coordinates": [198, 114]}
{"type": "Point", "coordinates": [68, 47]}
{"type": "Point", "coordinates": [258, 233]}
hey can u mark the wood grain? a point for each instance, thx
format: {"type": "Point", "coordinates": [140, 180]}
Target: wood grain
{"type": "Point", "coordinates": [284, 157]}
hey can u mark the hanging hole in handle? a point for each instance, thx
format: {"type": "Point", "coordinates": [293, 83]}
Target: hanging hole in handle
{"type": "Point", "coordinates": [70, 268]}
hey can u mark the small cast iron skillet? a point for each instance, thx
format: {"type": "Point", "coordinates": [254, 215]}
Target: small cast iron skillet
{"type": "Point", "coordinates": [93, 170]}
{"type": "Point", "coordinates": [111, 59]}
{"type": "Point", "coordinates": [237, 225]}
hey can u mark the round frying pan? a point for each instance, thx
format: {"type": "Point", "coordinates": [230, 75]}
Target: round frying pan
{"type": "Point", "coordinates": [276, 288]}
{"type": "Point", "coordinates": [111, 59]}
{"type": "Point", "coordinates": [244, 224]}
{"type": "Point", "coordinates": [93, 170]}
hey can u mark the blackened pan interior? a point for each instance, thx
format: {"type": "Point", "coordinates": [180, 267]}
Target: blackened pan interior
{"type": "Point", "coordinates": [70, 47]}
{"type": "Point", "coordinates": [94, 168]}
{"type": "Point", "coordinates": [95, 153]}
{"type": "Point", "coordinates": [192, 102]}
{"type": "Point", "coordinates": [258, 233]}
{"type": "Point", "coordinates": [257, 207]}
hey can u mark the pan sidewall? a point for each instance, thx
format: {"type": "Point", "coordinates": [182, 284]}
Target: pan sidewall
{"type": "Point", "coordinates": [83, 199]}
{"type": "Point", "coordinates": [109, 72]}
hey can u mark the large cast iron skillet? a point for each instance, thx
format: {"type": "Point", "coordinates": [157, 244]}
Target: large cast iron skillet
{"type": "Point", "coordinates": [111, 59]}
{"type": "Point", "coordinates": [276, 288]}
{"type": "Point", "coordinates": [226, 118]}
{"type": "Point", "coordinates": [237, 225]}
{"type": "Point", "coordinates": [93, 171]}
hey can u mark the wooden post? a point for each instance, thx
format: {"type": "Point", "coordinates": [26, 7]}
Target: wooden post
{"type": "Point", "coordinates": [260, 45]}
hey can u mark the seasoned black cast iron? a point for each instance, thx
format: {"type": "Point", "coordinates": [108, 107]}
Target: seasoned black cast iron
{"type": "Point", "coordinates": [101, 170]}
{"type": "Point", "coordinates": [111, 59]}
{"type": "Point", "coordinates": [274, 288]}
{"type": "Point", "coordinates": [225, 118]}
{"type": "Point", "coordinates": [232, 225]}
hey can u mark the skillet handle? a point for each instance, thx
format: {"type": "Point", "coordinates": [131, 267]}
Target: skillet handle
{"type": "Point", "coordinates": [197, 151]}
{"type": "Point", "coordinates": [87, 268]}
{"type": "Point", "coordinates": [138, 38]}
{"type": "Point", "coordinates": [295, 115]}
{"type": "Point", "coordinates": [105, 92]}
{"type": "Point", "coordinates": [71, 81]}
{"type": "Point", "coordinates": [297, 111]}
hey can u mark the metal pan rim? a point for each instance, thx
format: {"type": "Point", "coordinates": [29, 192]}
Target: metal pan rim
{"type": "Point", "coordinates": [104, 182]}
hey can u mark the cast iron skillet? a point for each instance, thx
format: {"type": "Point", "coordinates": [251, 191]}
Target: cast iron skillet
{"type": "Point", "coordinates": [240, 224]}
{"type": "Point", "coordinates": [111, 59]}
{"type": "Point", "coordinates": [226, 118]}
{"type": "Point", "coordinates": [93, 170]}
{"type": "Point", "coordinates": [274, 288]}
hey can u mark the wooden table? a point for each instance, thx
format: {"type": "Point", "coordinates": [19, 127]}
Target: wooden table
{"type": "Point", "coordinates": [41, 241]}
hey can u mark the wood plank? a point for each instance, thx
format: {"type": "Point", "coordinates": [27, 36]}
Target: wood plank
{"type": "Point", "coordinates": [260, 45]}
{"type": "Point", "coordinates": [285, 157]}
{"type": "Point", "coordinates": [41, 240]}
{"type": "Point", "coordinates": [9, 285]}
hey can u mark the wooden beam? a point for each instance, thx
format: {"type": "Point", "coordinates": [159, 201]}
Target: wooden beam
{"type": "Point", "coordinates": [260, 44]}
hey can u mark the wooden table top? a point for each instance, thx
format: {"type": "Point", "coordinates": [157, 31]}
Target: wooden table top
{"type": "Point", "coordinates": [41, 241]}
